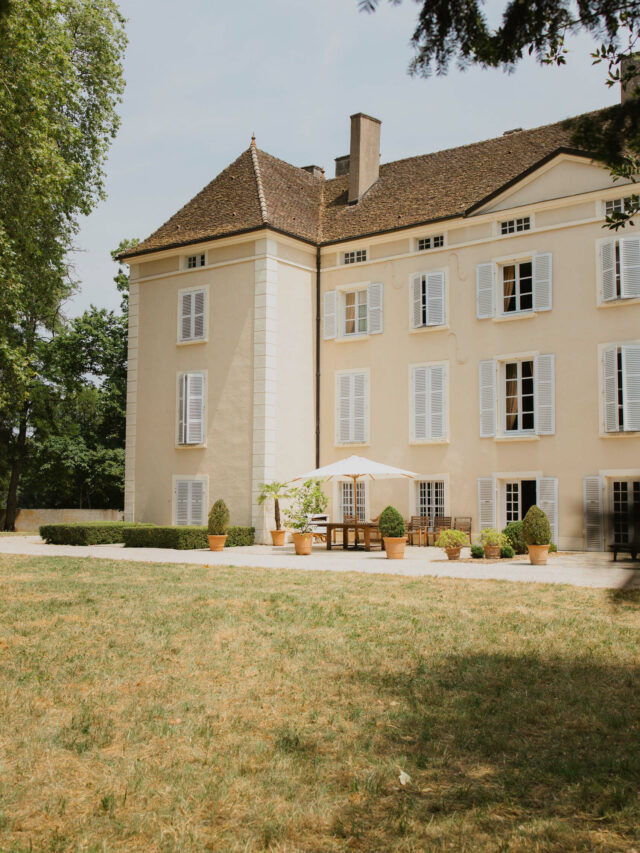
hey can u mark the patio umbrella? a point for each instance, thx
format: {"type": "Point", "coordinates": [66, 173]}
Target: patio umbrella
{"type": "Point", "coordinates": [355, 467]}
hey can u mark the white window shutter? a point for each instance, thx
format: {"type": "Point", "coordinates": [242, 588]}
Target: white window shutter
{"type": "Point", "coordinates": [542, 282]}
{"type": "Point", "coordinates": [487, 383]}
{"type": "Point", "coordinates": [359, 428]}
{"type": "Point", "coordinates": [182, 421]}
{"type": "Point", "coordinates": [631, 388]}
{"type": "Point", "coordinates": [592, 510]}
{"type": "Point", "coordinates": [420, 432]}
{"type": "Point", "coordinates": [610, 385]}
{"type": "Point", "coordinates": [330, 315]}
{"type": "Point", "coordinates": [416, 301]}
{"type": "Point", "coordinates": [547, 488]}
{"type": "Point", "coordinates": [344, 407]}
{"type": "Point", "coordinates": [186, 315]}
{"type": "Point", "coordinates": [608, 269]}
{"type": "Point", "coordinates": [544, 394]}
{"type": "Point", "coordinates": [437, 401]}
{"type": "Point", "coordinates": [182, 501]}
{"type": "Point", "coordinates": [485, 291]}
{"type": "Point", "coordinates": [194, 408]}
{"type": "Point", "coordinates": [435, 299]}
{"type": "Point", "coordinates": [630, 266]}
{"type": "Point", "coordinates": [486, 502]}
{"type": "Point", "coordinates": [196, 514]}
{"type": "Point", "coordinates": [199, 301]}
{"type": "Point", "coordinates": [375, 301]}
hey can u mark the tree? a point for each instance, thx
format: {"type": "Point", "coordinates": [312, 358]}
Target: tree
{"type": "Point", "coordinates": [60, 84]}
{"type": "Point", "coordinates": [459, 31]}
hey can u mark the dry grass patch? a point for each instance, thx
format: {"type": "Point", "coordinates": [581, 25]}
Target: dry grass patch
{"type": "Point", "coordinates": [185, 708]}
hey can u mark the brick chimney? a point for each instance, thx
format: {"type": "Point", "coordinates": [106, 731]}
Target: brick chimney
{"type": "Point", "coordinates": [629, 76]}
{"type": "Point", "coordinates": [364, 159]}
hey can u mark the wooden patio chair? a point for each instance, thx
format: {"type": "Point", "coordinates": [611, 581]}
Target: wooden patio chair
{"type": "Point", "coordinates": [418, 526]}
{"type": "Point", "coordinates": [440, 522]}
{"type": "Point", "coordinates": [318, 530]}
{"type": "Point", "coordinates": [375, 537]}
{"type": "Point", "coordinates": [463, 523]}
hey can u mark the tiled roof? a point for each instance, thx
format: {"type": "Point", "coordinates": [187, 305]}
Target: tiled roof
{"type": "Point", "coordinates": [258, 190]}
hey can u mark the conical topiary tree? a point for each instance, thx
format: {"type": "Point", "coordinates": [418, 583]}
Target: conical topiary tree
{"type": "Point", "coordinates": [218, 518]}
{"type": "Point", "coordinates": [391, 523]}
{"type": "Point", "coordinates": [536, 529]}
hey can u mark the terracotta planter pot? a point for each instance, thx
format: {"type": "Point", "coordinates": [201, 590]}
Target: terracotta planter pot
{"type": "Point", "coordinates": [302, 542]}
{"type": "Point", "coordinates": [394, 546]}
{"type": "Point", "coordinates": [216, 543]}
{"type": "Point", "coordinates": [538, 554]}
{"type": "Point", "coordinates": [278, 536]}
{"type": "Point", "coordinates": [453, 553]}
{"type": "Point", "coordinates": [492, 552]}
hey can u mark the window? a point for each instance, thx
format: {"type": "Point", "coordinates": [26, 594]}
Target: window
{"type": "Point", "coordinates": [620, 269]}
{"type": "Point", "coordinates": [617, 205]}
{"type": "Point", "coordinates": [519, 497]}
{"type": "Point", "coordinates": [355, 312]}
{"type": "Point", "coordinates": [194, 261]}
{"type": "Point", "coordinates": [511, 226]}
{"type": "Point", "coordinates": [191, 406]}
{"type": "Point", "coordinates": [427, 300]}
{"type": "Point", "coordinates": [355, 257]}
{"type": "Point", "coordinates": [426, 243]}
{"type": "Point", "coordinates": [352, 408]}
{"type": "Point", "coordinates": [517, 287]}
{"type": "Point", "coordinates": [428, 402]}
{"type": "Point", "coordinates": [523, 391]}
{"type": "Point", "coordinates": [430, 498]}
{"type": "Point", "coordinates": [625, 505]}
{"type": "Point", "coordinates": [189, 501]}
{"type": "Point", "coordinates": [347, 509]}
{"type": "Point", "coordinates": [192, 325]}
{"type": "Point", "coordinates": [621, 386]}
{"type": "Point", "coordinates": [518, 397]}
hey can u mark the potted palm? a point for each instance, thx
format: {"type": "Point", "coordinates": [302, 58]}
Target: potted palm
{"type": "Point", "coordinates": [306, 500]}
{"type": "Point", "coordinates": [217, 527]}
{"type": "Point", "coordinates": [452, 541]}
{"type": "Point", "coordinates": [536, 531]}
{"type": "Point", "coordinates": [275, 492]}
{"type": "Point", "coordinates": [492, 541]}
{"type": "Point", "coordinates": [392, 528]}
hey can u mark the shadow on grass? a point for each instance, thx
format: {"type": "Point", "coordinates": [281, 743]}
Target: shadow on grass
{"type": "Point", "coordinates": [531, 738]}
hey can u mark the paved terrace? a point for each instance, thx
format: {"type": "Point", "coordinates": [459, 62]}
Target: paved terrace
{"type": "Point", "coordinates": [573, 568]}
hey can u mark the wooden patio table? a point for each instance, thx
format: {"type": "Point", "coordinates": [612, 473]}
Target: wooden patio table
{"type": "Point", "coordinates": [346, 526]}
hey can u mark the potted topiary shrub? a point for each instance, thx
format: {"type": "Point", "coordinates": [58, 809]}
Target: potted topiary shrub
{"type": "Point", "coordinates": [452, 541]}
{"type": "Point", "coordinates": [275, 492]}
{"type": "Point", "coordinates": [492, 541]}
{"type": "Point", "coordinates": [392, 529]}
{"type": "Point", "coordinates": [537, 534]}
{"type": "Point", "coordinates": [217, 527]}
{"type": "Point", "coordinates": [306, 500]}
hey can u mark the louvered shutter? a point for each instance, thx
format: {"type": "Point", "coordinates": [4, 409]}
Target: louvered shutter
{"type": "Point", "coordinates": [330, 319]}
{"type": "Point", "coordinates": [182, 421]}
{"type": "Point", "coordinates": [420, 404]}
{"type": "Point", "coordinates": [485, 291]}
{"type": "Point", "coordinates": [487, 384]}
{"type": "Point", "coordinates": [194, 408]}
{"type": "Point", "coordinates": [542, 282]}
{"type": "Point", "coordinates": [186, 315]}
{"type": "Point", "coordinates": [610, 383]}
{"type": "Point", "coordinates": [547, 488]}
{"type": "Point", "coordinates": [608, 269]}
{"type": "Point", "coordinates": [437, 401]}
{"type": "Point", "coordinates": [486, 502]}
{"type": "Point", "coordinates": [435, 299]}
{"type": "Point", "coordinates": [359, 408]}
{"type": "Point", "coordinates": [182, 501]}
{"type": "Point", "coordinates": [196, 514]}
{"type": "Point", "coordinates": [630, 266]}
{"type": "Point", "coordinates": [592, 510]}
{"type": "Point", "coordinates": [375, 294]}
{"type": "Point", "coordinates": [544, 394]}
{"type": "Point", "coordinates": [198, 314]}
{"type": "Point", "coordinates": [631, 388]}
{"type": "Point", "coordinates": [416, 301]}
{"type": "Point", "coordinates": [344, 407]}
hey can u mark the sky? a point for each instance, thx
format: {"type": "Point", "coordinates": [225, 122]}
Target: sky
{"type": "Point", "coordinates": [202, 76]}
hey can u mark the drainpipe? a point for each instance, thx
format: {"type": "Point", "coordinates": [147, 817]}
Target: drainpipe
{"type": "Point", "coordinates": [317, 356]}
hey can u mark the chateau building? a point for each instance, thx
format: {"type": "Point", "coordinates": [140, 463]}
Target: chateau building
{"type": "Point", "coordinates": [463, 314]}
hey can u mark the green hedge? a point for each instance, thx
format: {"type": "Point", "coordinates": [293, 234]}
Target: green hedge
{"type": "Point", "coordinates": [183, 538]}
{"type": "Point", "coordinates": [87, 533]}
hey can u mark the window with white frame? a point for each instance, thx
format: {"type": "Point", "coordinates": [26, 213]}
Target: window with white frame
{"type": "Point", "coordinates": [620, 269]}
{"type": "Point", "coordinates": [428, 402]}
{"type": "Point", "coordinates": [357, 256]}
{"type": "Point", "coordinates": [524, 284]}
{"type": "Point", "coordinates": [191, 408]}
{"type": "Point", "coordinates": [192, 321]}
{"type": "Point", "coordinates": [517, 287]}
{"type": "Point", "coordinates": [519, 497]}
{"type": "Point", "coordinates": [430, 498]}
{"type": "Point", "coordinates": [355, 312]}
{"type": "Point", "coordinates": [625, 510]}
{"type": "Point", "coordinates": [517, 396]}
{"type": "Point", "coordinates": [621, 387]}
{"type": "Point", "coordinates": [194, 261]}
{"type": "Point", "coordinates": [349, 509]}
{"type": "Point", "coordinates": [513, 226]}
{"type": "Point", "coordinates": [189, 501]}
{"type": "Point", "coordinates": [352, 408]}
{"type": "Point", "coordinates": [617, 205]}
{"type": "Point", "coordinates": [428, 300]}
{"type": "Point", "coordinates": [426, 243]}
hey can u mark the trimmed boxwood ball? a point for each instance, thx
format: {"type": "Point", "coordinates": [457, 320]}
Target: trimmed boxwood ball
{"type": "Point", "coordinates": [507, 552]}
{"type": "Point", "coordinates": [513, 532]}
{"type": "Point", "coordinates": [536, 528]}
{"type": "Point", "coordinates": [391, 523]}
{"type": "Point", "coordinates": [477, 552]}
{"type": "Point", "coordinates": [218, 518]}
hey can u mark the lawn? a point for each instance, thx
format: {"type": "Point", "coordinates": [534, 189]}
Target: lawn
{"type": "Point", "coordinates": [181, 708]}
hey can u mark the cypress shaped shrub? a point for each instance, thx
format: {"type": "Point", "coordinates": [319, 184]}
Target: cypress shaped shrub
{"type": "Point", "coordinates": [218, 518]}
{"type": "Point", "coordinates": [536, 528]}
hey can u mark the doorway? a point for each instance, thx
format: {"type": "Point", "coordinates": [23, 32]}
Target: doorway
{"type": "Point", "coordinates": [519, 497]}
